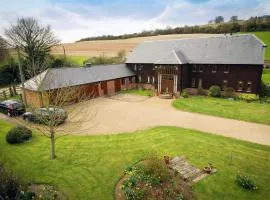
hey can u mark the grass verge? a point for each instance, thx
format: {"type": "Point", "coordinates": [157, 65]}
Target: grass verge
{"type": "Point", "coordinates": [241, 110]}
{"type": "Point", "coordinates": [88, 167]}
{"type": "Point", "coordinates": [141, 92]}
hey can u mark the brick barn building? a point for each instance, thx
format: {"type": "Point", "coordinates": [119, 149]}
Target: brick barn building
{"type": "Point", "coordinates": [95, 81]}
{"type": "Point", "coordinates": [167, 67]}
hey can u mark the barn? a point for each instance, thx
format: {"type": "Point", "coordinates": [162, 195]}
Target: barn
{"type": "Point", "coordinates": [94, 81]}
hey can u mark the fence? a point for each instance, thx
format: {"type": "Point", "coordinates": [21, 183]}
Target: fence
{"type": "Point", "coordinates": [6, 93]}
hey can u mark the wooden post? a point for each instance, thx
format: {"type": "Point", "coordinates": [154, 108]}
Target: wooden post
{"type": "Point", "coordinates": [14, 90]}
{"type": "Point", "coordinates": [4, 94]}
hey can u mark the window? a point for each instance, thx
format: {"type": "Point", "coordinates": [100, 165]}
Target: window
{"type": "Point", "coordinates": [133, 79]}
{"type": "Point", "coordinates": [240, 86]}
{"type": "Point", "coordinates": [214, 68]}
{"type": "Point", "coordinates": [140, 78]}
{"type": "Point", "coordinates": [200, 68]}
{"type": "Point", "coordinates": [193, 83]}
{"type": "Point", "coordinates": [226, 69]}
{"type": "Point", "coordinates": [153, 80]}
{"type": "Point", "coordinates": [194, 68]}
{"type": "Point", "coordinates": [225, 84]}
{"type": "Point", "coordinates": [200, 83]}
{"type": "Point", "coordinates": [135, 68]}
{"type": "Point", "coordinates": [249, 86]}
{"type": "Point", "coordinates": [148, 79]}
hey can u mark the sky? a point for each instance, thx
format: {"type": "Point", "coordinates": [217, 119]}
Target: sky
{"type": "Point", "coordinates": [72, 20]}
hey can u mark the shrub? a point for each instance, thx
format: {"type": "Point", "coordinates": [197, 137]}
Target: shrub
{"type": "Point", "coordinates": [264, 90]}
{"type": "Point", "coordinates": [201, 91]}
{"type": "Point", "coordinates": [185, 93]}
{"type": "Point", "coordinates": [214, 91]}
{"type": "Point", "coordinates": [248, 97]}
{"type": "Point", "coordinates": [18, 134]}
{"type": "Point", "coordinates": [245, 182]}
{"type": "Point", "coordinates": [229, 92]}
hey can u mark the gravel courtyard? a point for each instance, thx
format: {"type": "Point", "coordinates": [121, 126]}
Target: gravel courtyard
{"type": "Point", "coordinates": [127, 113]}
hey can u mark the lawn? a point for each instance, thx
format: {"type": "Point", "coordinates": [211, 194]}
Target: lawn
{"type": "Point", "coordinates": [241, 110]}
{"type": "Point", "coordinates": [266, 75]}
{"type": "Point", "coordinates": [141, 92]}
{"type": "Point", "coordinates": [87, 167]}
{"type": "Point", "coordinates": [74, 60]}
{"type": "Point", "coordinates": [265, 37]}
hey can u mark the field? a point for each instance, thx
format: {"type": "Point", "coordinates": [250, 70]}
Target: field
{"type": "Point", "coordinates": [265, 37]}
{"type": "Point", "coordinates": [111, 47]}
{"type": "Point", "coordinates": [80, 51]}
{"type": "Point", "coordinates": [241, 110]}
{"type": "Point", "coordinates": [266, 76]}
{"type": "Point", "coordinates": [88, 167]}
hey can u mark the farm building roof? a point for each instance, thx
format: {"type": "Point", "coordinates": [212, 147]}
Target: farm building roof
{"type": "Point", "coordinates": [64, 77]}
{"type": "Point", "coordinates": [222, 49]}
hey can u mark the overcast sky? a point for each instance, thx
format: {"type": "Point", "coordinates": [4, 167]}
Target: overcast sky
{"type": "Point", "coordinates": [74, 19]}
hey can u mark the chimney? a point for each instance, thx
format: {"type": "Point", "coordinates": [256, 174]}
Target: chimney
{"type": "Point", "coordinates": [88, 64]}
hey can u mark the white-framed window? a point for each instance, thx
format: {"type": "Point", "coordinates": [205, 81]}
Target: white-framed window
{"type": "Point", "coordinates": [193, 83]}
{"type": "Point", "coordinates": [240, 86]}
{"type": "Point", "coordinates": [214, 68]}
{"type": "Point", "coordinates": [153, 80]}
{"type": "Point", "coordinates": [224, 84]}
{"type": "Point", "coordinates": [200, 68]}
{"type": "Point", "coordinates": [148, 79]}
{"type": "Point", "coordinates": [140, 78]}
{"type": "Point", "coordinates": [194, 68]}
{"type": "Point", "coordinates": [200, 83]}
{"type": "Point", "coordinates": [249, 86]}
{"type": "Point", "coordinates": [226, 69]}
{"type": "Point", "coordinates": [135, 67]}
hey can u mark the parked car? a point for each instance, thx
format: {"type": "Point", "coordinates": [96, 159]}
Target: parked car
{"type": "Point", "coordinates": [12, 108]}
{"type": "Point", "coordinates": [46, 115]}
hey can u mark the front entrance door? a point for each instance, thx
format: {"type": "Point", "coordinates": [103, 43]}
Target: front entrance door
{"type": "Point", "coordinates": [167, 83]}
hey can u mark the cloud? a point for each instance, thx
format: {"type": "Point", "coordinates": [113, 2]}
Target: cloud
{"type": "Point", "coordinates": [72, 20]}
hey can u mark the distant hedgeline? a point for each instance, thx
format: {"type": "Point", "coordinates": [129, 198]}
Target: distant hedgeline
{"type": "Point", "coordinates": [261, 23]}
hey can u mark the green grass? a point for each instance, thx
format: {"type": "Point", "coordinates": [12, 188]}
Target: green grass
{"type": "Point", "coordinates": [266, 76]}
{"type": "Point", "coordinates": [265, 37]}
{"type": "Point", "coordinates": [141, 92]}
{"type": "Point", "coordinates": [87, 167]}
{"type": "Point", "coordinates": [74, 60]}
{"type": "Point", "coordinates": [241, 110]}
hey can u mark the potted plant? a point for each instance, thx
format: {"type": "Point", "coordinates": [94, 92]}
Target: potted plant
{"type": "Point", "coordinates": [166, 160]}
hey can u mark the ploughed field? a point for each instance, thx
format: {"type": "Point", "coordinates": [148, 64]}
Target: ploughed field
{"type": "Point", "coordinates": [88, 167]}
{"type": "Point", "coordinates": [112, 47]}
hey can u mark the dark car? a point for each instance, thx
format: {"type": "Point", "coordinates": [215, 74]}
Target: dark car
{"type": "Point", "coordinates": [12, 108]}
{"type": "Point", "coordinates": [46, 115]}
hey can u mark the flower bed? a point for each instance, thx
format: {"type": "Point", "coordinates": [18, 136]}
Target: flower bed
{"type": "Point", "coordinates": [151, 179]}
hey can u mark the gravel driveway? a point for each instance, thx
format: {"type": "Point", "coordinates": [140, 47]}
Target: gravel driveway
{"type": "Point", "coordinates": [115, 115]}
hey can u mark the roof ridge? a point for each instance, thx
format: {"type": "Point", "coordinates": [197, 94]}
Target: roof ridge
{"type": "Point", "coordinates": [203, 37]}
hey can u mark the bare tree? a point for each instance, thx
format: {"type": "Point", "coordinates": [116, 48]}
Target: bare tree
{"type": "Point", "coordinates": [33, 40]}
{"type": "Point", "coordinates": [55, 105]}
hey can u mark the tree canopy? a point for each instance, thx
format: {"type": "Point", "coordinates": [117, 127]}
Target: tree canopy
{"type": "Point", "coordinates": [33, 40]}
{"type": "Point", "coordinates": [3, 49]}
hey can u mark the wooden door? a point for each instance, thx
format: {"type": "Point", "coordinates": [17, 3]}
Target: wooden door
{"type": "Point", "coordinates": [167, 84]}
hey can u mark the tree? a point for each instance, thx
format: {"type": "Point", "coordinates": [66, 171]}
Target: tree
{"type": "Point", "coordinates": [32, 40]}
{"type": "Point", "coordinates": [3, 49]}
{"type": "Point", "coordinates": [234, 19]}
{"type": "Point", "coordinates": [219, 19]}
